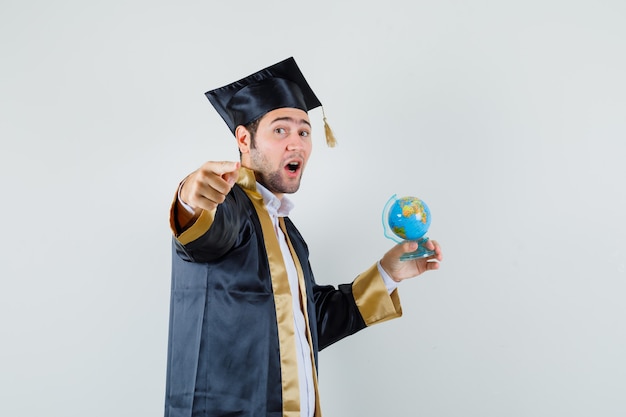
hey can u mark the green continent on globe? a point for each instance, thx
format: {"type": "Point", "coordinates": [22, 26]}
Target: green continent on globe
{"type": "Point", "coordinates": [400, 231]}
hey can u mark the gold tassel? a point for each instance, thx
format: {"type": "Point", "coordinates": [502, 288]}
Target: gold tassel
{"type": "Point", "coordinates": [330, 136]}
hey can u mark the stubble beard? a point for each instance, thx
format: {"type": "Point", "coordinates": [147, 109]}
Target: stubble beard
{"type": "Point", "coordinates": [272, 180]}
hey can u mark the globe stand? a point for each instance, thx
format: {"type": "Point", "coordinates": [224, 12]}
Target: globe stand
{"type": "Point", "coordinates": [407, 219]}
{"type": "Point", "coordinates": [421, 251]}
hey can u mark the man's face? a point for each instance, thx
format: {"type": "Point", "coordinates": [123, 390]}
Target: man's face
{"type": "Point", "coordinates": [280, 150]}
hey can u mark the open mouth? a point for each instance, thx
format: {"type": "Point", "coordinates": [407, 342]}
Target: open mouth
{"type": "Point", "coordinates": [293, 166]}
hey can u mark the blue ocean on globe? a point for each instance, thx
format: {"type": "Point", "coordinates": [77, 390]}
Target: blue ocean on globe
{"type": "Point", "coordinates": [409, 218]}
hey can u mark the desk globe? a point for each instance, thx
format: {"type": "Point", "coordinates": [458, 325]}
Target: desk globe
{"type": "Point", "coordinates": [407, 219]}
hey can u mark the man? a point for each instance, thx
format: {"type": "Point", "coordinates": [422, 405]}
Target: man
{"type": "Point", "coordinates": [247, 318]}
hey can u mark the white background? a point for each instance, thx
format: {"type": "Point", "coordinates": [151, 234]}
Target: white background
{"type": "Point", "coordinates": [507, 117]}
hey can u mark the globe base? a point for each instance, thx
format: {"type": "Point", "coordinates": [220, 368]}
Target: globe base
{"type": "Point", "coordinates": [421, 251]}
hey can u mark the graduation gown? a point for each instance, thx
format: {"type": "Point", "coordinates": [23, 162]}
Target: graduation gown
{"type": "Point", "coordinates": [231, 349]}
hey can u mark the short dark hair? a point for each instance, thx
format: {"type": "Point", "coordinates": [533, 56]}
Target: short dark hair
{"type": "Point", "coordinates": [252, 127]}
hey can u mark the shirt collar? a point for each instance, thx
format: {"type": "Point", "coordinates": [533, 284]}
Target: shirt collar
{"type": "Point", "coordinates": [275, 206]}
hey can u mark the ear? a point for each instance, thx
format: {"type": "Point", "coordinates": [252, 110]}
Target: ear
{"type": "Point", "coordinates": [243, 139]}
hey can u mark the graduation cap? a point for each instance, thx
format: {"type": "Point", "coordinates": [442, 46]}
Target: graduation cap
{"type": "Point", "coordinates": [277, 86]}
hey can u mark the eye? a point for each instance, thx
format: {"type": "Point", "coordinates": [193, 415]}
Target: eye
{"type": "Point", "coordinates": [305, 133]}
{"type": "Point", "coordinates": [280, 130]}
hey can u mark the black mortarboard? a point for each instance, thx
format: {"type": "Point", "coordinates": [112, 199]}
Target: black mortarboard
{"type": "Point", "coordinates": [280, 85]}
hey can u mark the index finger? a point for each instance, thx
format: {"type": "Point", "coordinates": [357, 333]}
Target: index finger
{"type": "Point", "coordinates": [225, 167]}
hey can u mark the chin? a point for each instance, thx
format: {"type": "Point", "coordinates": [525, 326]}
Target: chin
{"type": "Point", "coordinates": [291, 189]}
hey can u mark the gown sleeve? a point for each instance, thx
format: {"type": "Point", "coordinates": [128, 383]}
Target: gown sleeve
{"type": "Point", "coordinates": [213, 233]}
{"type": "Point", "coordinates": [345, 310]}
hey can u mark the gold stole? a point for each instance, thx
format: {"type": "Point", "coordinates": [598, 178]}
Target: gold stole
{"type": "Point", "coordinates": [284, 310]}
{"type": "Point", "coordinates": [303, 306]}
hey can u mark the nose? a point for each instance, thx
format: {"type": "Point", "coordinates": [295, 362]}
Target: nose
{"type": "Point", "coordinates": [294, 142]}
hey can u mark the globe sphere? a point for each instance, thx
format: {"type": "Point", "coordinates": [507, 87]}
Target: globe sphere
{"type": "Point", "coordinates": [409, 218]}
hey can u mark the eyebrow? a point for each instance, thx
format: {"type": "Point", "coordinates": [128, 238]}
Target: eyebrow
{"type": "Point", "coordinates": [291, 119]}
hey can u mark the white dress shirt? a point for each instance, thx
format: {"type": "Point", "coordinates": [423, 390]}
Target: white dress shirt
{"type": "Point", "coordinates": [281, 208]}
